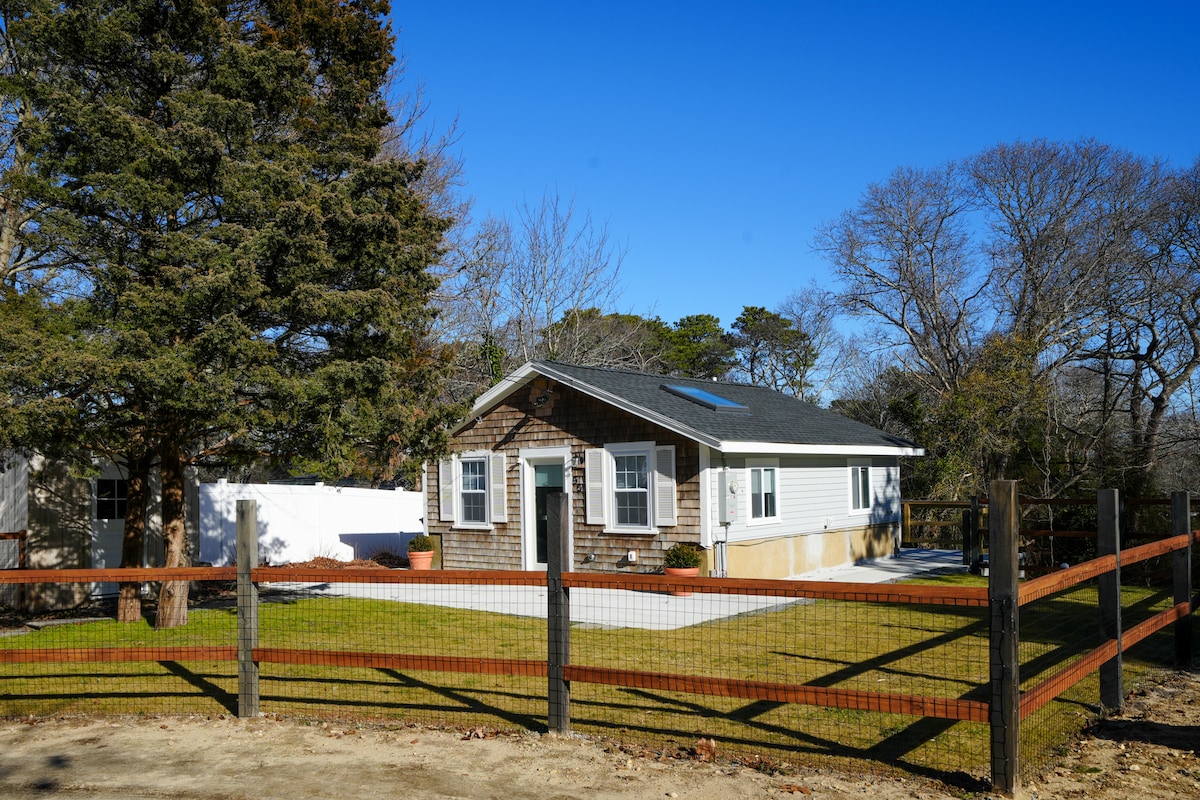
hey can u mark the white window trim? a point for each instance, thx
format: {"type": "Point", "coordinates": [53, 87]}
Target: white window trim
{"type": "Point", "coordinates": [460, 490]}
{"type": "Point", "coordinates": [495, 492]}
{"type": "Point", "coordinates": [610, 491]}
{"type": "Point", "coordinates": [852, 467]}
{"type": "Point", "coordinates": [751, 465]}
{"type": "Point", "coordinates": [662, 488]}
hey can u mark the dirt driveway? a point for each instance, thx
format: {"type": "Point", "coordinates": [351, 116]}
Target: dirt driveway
{"type": "Point", "coordinates": [1150, 753]}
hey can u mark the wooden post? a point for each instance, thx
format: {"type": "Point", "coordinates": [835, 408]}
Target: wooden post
{"type": "Point", "coordinates": [558, 612]}
{"type": "Point", "coordinates": [975, 543]}
{"type": "Point", "coordinates": [905, 524]}
{"type": "Point", "coordinates": [1181, 525]}
{"type": "Point", "coordinates": [1108, 542]}
{"type": "Point", "coordinates": [1004, 515]}
{"type": "Point", "coordinates": [247, 607]}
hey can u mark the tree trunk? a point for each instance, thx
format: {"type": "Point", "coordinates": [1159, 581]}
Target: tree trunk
{"type": "Point", "coordinates": [173, 597]}
{"type": "Point", "coordinates": [129, 597]}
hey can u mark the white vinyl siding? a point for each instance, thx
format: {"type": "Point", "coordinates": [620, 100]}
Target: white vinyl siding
{"type": "Point", "coordinates": [811, 496]}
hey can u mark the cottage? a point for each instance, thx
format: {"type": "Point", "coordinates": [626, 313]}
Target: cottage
{"type": "Point", "coordinates": [767, 485]}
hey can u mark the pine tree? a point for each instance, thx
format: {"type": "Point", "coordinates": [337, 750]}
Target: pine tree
{"type": "Point", "coordinates": [255, 276]}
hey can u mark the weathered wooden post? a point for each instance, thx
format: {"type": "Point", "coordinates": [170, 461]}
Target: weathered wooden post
{"type": "Point", "coordinates": [1108, 543]}
{"type": "Point", "coordinates": [247, 607]}
{"type": "Point", "coordinates": [973, 546]}
{"type": "Point", "coordinates": [558, 611]}
{"type": "Point", "coordinates": [1181, 525]}
{"type": "Point", "coordinates": [1004, 517]}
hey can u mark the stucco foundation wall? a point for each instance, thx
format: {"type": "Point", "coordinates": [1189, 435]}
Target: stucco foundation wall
{"type": "Point", "coordinates": [787, 556]}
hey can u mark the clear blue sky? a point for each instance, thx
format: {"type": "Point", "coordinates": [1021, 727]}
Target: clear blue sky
{"type": "Point", "coordinates": [713, 138]}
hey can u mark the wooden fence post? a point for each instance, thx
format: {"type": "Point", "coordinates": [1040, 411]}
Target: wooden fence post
{"type": "Point", "coordinates": [1004, 517]}
{"type": "Point", "coordinates": [1108, 542]}
{"type": "Point", "coordinates": [1181, 525]}
{"type": "Point", "coordinates": [975, 544]}
{"type": "Point", "coordinates": [247, 607]}
{"type": "Point", "coordinates": [558, 611]}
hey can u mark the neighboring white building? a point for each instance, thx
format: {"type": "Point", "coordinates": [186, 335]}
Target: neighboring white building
{"type": "Point", "coordinates": [299, 523]}
{"type": "Point", "coordinates": [77, 523]}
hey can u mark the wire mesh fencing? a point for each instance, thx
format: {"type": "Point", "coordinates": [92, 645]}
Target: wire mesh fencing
{"type": "Point", "coordinates": [881, 677]}
{"type": "Point", "coordinates": [797, 673]}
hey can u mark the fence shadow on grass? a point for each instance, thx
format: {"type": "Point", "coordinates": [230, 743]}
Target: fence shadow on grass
{"type": "Point", "coordinates": [228, 700]}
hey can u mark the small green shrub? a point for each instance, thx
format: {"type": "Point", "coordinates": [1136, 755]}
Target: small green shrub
{"type": "Point", "coordinates": [420, 544]}
{"type": "Point", "coordinates": [682, 556]}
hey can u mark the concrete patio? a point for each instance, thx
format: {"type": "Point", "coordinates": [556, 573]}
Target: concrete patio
{"type": "Point", "coordinates": [615, 608]}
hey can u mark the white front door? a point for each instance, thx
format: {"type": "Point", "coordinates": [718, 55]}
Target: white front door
{"type": "Point", "coordinates": [544, 471]}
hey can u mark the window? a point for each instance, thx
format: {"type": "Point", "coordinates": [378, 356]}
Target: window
{"type": "Point", "coordinates": [630, 487]}
{"type": "Point", "coordinates": [763, 493]}
{"type": "Point", "coordinates": [111, 496]}
{"type": "Point", "coordinates": [474, 490]}
{"type": "Point", "coordinates": [860, 487]}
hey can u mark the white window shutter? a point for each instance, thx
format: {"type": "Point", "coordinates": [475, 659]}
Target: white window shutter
{"type": "Point", "coordinates": [594, 485]}
{"type": "Point", "coordinates": [498, 487]}
{"type": "Point", "coordinates": [446, 490]}
{"type": "Point", "coordinates": [664, 485]}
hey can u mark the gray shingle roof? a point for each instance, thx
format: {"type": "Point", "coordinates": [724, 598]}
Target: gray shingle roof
{"type": "Point", "coordinates": [773, 417]}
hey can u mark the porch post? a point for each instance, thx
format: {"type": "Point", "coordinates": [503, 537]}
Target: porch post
{"type": "Point", "coordinates": [558, 611]}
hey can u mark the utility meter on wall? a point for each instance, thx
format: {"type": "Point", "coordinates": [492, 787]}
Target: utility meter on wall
{"type": "Point", "coordinates": [728, 506]}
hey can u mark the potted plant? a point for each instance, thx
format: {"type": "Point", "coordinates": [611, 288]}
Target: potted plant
{"type": "Point", "coordinates": [682, 561]}
{"type": "Point", "coordinates": [420, 552]}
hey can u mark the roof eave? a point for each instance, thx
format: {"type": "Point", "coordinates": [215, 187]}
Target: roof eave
{"type": "Point", "coordinates": [779, 448]}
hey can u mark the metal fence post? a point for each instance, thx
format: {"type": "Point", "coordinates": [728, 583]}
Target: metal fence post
{"type": "Point", "coordinates": [1004, 515]}
{"type": "Point", "coordinates": [558, 611]}
{"type": "Point", "coordinates": [247, 607]}
{"type": "Point", "coordinates": [1181, 525]}
{"type": "Point", "coordinates": [1108, 542]}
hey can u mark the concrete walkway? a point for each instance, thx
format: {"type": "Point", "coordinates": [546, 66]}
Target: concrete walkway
{"type": "Point", "coordinates": [614, 608]}
{"type": "Point", "coordinates": [909, 563]}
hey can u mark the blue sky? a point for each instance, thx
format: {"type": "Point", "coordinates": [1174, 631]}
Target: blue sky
{"type": "Point", "coordinates": [713, 138]}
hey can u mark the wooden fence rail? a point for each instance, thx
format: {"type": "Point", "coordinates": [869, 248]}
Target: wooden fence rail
{"type": "Point", "coordinates": [1003, 707]}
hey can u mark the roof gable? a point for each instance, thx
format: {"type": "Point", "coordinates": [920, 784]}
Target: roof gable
{"type": "Point", "coordinates": [730, 417]}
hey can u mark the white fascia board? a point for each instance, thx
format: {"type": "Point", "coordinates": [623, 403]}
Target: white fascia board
{"type": "Point", "coordinates": [776, 448]}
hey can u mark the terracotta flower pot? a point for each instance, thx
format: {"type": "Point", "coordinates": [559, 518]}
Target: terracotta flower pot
{"type": "Point", "coordinates": [420, 559]}
{"type": "Point", "coordinates": [681, 572]}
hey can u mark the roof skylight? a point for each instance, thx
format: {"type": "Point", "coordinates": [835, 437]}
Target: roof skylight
{"type": "Point", "coordinates": [706, 398]}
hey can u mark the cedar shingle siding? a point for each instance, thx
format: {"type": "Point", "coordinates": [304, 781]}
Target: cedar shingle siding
{"type": "Point", "coordinates": [567, 418]}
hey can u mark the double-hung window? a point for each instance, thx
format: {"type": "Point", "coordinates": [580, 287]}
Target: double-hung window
{"type": "Point", "coordinates": [632, 490]}
{"type": "Point", "coordinates": [472, 489]}
{"type": "Point", "coordinates": [860, 487]}
{"type": "Point", "coordinates": [764, 493]}
{"type": "Point", "coordinates": [630, 487]}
